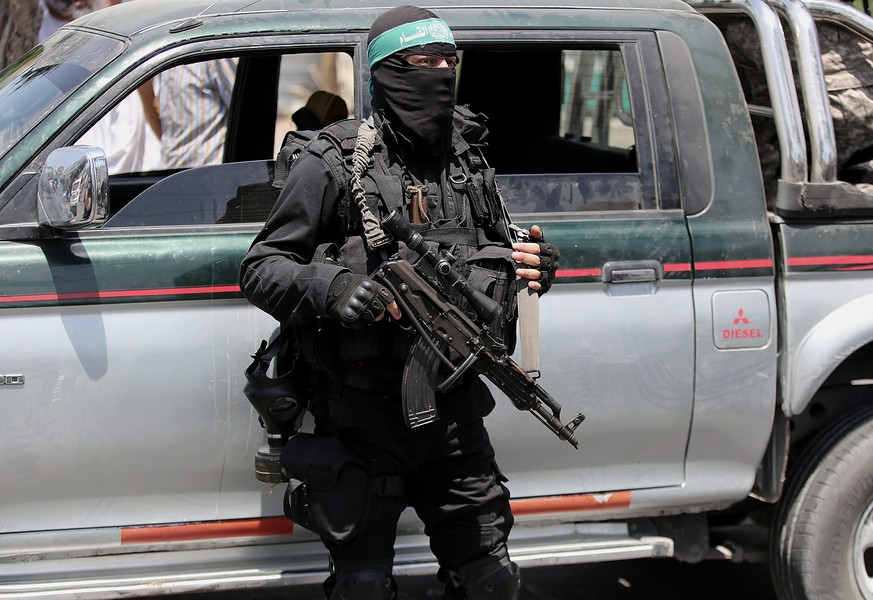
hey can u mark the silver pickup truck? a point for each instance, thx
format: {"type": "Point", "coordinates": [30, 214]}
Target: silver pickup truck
{"type": "Point", "coordinates": [713, 315]}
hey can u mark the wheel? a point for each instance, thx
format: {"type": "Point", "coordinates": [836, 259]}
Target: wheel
{"type": "Point", "coordinates": [821, 544]}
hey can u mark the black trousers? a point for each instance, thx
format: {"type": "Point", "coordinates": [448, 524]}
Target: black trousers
{"type": "Point", "coordinates": [451, 478]}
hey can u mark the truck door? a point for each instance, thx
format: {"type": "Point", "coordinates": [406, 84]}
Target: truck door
{"type": "Point", "coordinates": [579, 152]}
{"type": "Point", "coordinates": [131, 339]}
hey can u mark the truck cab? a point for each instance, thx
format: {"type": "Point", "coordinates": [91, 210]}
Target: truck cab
{"type": "Point", "coordinates": [689, 319]}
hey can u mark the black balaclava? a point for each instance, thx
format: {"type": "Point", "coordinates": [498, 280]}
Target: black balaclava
{"type": "Point", "coordinates": [417, 101]}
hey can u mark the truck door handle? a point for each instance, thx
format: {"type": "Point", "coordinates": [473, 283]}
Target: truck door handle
{"type": "Point", "coordinates": [632, 271]}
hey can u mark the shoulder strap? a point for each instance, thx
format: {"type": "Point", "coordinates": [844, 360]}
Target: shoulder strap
{"type": "Point", "coordinates": [265, 354]}
{"type": "Point", "coordinates": [389, 186]}
{"type": "Point", "coordinates": [366, 139]}
{"type": "Point", "coordinates": [317, 141]}
{"type": "Point", "coordinates": [292, 146]}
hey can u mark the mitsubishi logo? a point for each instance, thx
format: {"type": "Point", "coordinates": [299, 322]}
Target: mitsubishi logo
{"type": "Point", "coordinates": [742, 332]}
{"type": "Point", "coordinates": [741, 318]}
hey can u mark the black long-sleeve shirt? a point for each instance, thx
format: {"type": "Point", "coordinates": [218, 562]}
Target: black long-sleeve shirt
{"type": "Point", "coordinates": [276, 275]}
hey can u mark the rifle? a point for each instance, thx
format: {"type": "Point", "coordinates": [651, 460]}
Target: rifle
{"type": "Point", "coordinates": [442, 326]}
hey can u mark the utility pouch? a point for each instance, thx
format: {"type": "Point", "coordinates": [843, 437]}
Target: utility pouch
{"type": "Point", "coordinates": [318, 344]}
{"type": "Point", "coordinates": [492, 272]}
{"type": "Point", "coordinates": [329, 489]}
{"type": "Point", "coordinates": [317, 337]}
{"type": "Point", "coordinates": [492, 195]}
{"type": "Point", "coordinates": [483, 211]}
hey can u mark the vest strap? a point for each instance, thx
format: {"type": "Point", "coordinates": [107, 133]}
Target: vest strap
{"type": "Point", "coordinates": [466, 236]}
{"type": "Point", "coordinates": [389, 188]}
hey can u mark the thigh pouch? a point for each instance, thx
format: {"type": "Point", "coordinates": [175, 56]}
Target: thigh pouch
{"type": "Point", "coordinates": [330, 487]}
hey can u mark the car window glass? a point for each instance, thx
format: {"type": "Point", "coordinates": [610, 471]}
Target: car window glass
{"type": "Point", "coordinates": [319, 85]}
{"type": "Point", "coordinates": [566, 141]}
{"type": "Point", "coordinates": [595, 105]}
{"type": "Point", "coordinates": [228, 193]}
{"type": "Point", "coordinates": [31, 88]}
{"type": "Point", "coordinates": [165, 181]}
{"type": "Point", "coordinates": [177, 119]}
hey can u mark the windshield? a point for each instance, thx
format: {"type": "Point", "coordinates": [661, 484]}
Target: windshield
{"type": "Point", "coordinates": [32, 87]}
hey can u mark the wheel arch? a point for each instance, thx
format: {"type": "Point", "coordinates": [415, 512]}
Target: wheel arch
{"type": "Point", "coordinates": [839, 339]}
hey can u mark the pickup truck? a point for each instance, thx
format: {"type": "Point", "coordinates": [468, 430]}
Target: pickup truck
{"type": "Point", "coordinates": [712, 317]}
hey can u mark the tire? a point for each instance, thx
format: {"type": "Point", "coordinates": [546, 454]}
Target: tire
{"type": "Point", "coordinates": [821, 544]}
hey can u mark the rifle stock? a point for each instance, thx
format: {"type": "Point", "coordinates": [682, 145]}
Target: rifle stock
{"type": "Point", "coordinates": [444, 331]}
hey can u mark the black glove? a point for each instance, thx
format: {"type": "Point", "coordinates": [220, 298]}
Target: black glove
{"type": "Point", "coordinates": [356, 301]}
{"type": "Point", "coordinates": [549, 255]}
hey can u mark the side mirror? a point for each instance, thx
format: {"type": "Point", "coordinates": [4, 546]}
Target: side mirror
{"type": "Point", "coordinates": [74, 188]}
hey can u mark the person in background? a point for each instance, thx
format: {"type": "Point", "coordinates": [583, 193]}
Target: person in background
{"type": "Point", "coordinates": [322, 108]}
{"type": "Point", "coordinates": [57, 13]}
{"type": "Point", "coordinates": [187, 107]}
{"type": "Point", "coordinates": [130, 145]}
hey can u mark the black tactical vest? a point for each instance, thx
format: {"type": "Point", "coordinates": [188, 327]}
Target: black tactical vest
{"type": "Point", "coordinates": [457, 207]}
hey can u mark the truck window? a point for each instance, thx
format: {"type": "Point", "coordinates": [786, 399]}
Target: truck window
{"type": "Point", "coordinates": [561, 124]}
{"type": "Point", "coordinates": [156, 183]}
{"type": "Point", "coordinates": [564, 140]}
{"type": "Point", "coordinates": [47, 75]}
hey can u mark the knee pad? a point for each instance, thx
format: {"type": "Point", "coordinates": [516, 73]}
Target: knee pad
{"type": "Point", "coordinates": [366, 584]}
{"type": "Point", "coordinates": [494, 577]}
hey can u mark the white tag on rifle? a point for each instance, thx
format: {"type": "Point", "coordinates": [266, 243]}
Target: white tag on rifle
{"type": "Point", "coordinates": [529, 328]}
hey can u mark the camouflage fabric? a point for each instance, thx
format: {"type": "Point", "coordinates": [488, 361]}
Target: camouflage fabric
{"type": "Point", "coordinates": [847, 61]}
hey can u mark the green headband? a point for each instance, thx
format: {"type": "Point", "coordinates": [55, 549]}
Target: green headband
{"type": "Point", "coordinates": [417, 33]}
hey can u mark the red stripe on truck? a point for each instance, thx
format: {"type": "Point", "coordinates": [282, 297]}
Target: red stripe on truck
{"type": "Point", "coordinates": [153, 534]}
{"type": "Point", "coordinates": [571, 503]}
